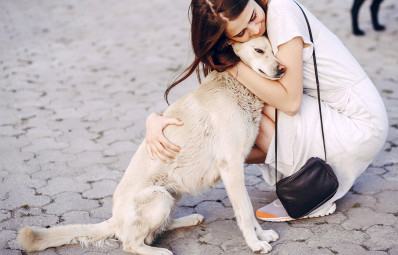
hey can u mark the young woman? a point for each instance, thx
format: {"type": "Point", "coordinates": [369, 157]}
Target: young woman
{"type": "Point", "coordinates": [354, 116]}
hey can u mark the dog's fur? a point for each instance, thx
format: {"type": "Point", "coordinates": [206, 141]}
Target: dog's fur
{"type": "Point", "coordinates": [221, 121]}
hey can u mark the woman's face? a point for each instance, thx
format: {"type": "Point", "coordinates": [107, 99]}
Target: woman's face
{"type": "Point", "coordinates": [249, 24]}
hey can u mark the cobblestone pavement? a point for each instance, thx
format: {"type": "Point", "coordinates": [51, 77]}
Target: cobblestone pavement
{"type": "Point", "coordinates": [79, 77]}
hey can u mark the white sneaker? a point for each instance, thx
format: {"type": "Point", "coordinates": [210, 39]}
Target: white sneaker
{"type": "Point", "coordinates": [276, 213]}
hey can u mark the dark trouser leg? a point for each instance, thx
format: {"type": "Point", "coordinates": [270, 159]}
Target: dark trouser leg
{"type": "Point", "coordinates": [374, 10]}
{"type": "Point", "coordinates": [354, 15]}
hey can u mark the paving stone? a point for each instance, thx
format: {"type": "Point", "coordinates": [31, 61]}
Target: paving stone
{"type": "Point", "coordinates": [392, 174]}
{"type": "Point", "coordinates": [28, 219]}
{"type": "Point", "coordinates": [104, 211]}
{"type": "Point", "coordinates": [54, 169]}
{"type": "Point", "coordinates": [381, 238]}
{"type": "Point", "coordinates": [101, 189]}
{"type": "Point", "coordinates": [50, 156]}
{"type": "Point", "coordinates": [371, 184]}
{"type": "Point", "coordinates": [299, 248]}
{"type": "Point", "coordinates": [351, 200]}
{"type": "Point", "coordinates": [224, 234]}
{"type": "Point", "coordinates": [350, 249]}
{"type": "Point", "coordinates": [63, 203]}
{"type": "Point", "coordinates": [6, 236]}
{"type": "Point", "coordinates": [393, 250]}
{"type": "Point", "coordinates": [62, 184]}
{"type": "Point", "coordinates": [16, 161]}
{"type": "Point", "coordinates": [98, 172]}
{"type": "Point", "coordinates": [364, 218]}
{"type": "Point", "coordinates": [181, 211]}
{"type": "Point", "coordinates": [208, 195]}
{"type": "Point", "coordinates": [252, 169]}
{"type": "Point", "coordinates": [21, 197]}
{"type": "Point", "coordinates": [79, 145]}
{"type": "Point", "coordinates": [214, 211]}
{"type": "Point", "coordinates": [119, 147]}
{"type": "Point", "coordinates": [252, 180]}
{"type": "Point", "coordinates": [78, 217]}
{"type": "Point", "coordinates": [88, 158]}
{"type": "Point", "coordinates": [328, 235]}
{"type": "Point", "coordinates": [44, 143]}
{"type": "Point", "coordinates": [192, 246]}
{"type": "Point", "coordinates": [335, 218]}
{"type": "Point", "coordinates": [4, 214]}
{"type": "Point", "coordinates": [387, 202]}
{"type": "Point", "coordinates": [19, 181]}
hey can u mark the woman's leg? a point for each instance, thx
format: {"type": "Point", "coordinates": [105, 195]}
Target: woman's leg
{"type": "Point", "coordinates": [263, 140]}
{"type": "Point", "coordinates": [275, 211]}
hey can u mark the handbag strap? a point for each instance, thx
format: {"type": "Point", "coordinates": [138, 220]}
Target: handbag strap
{"type": "Point", "coordinates": [319, 99]}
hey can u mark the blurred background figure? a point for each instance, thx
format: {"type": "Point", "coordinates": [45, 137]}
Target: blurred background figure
{"type": "Point", "coordinates": [374, 10]}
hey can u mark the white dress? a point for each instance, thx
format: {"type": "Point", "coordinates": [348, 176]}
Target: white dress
{"type": "Point", "coordinates": [354, 116]}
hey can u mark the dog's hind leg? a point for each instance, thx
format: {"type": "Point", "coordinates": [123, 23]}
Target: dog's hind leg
{"type": "Point", "coordinates": [148, 217]}
{"type": "Point", "coordinates": [186, 221]}
{"type": "Point", "coordinates": [232, 175]}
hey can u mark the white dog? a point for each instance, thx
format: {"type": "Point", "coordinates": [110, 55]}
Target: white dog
{"type": "Point", "coordinates": [210, 150]}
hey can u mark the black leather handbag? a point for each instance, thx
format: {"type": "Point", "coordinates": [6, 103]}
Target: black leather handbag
{"type": "Point", "coordinates": [315, 183]}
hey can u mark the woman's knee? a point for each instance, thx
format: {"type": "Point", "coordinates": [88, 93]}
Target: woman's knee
{"type": "Point", "coordinates": [266, 131]}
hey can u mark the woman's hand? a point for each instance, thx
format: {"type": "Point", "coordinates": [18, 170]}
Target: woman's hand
{"type": "Point", "coordinates": [156, 143]}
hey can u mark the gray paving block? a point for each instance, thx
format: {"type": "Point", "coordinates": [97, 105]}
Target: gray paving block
{"type": "Point", "coordinates": [214, 211]}
{"type": "Point", "coordinates": [371, 184]}
{"type": "Point", "coordinates": [69, 201]}
{"type": "Point", "coordinates": [6, 236]}
{"type": "Point", "coordinates": [207, 195]}
{"type": "Point", "coordinates": [328, 235]}
{"type": "Point", "coordinates": [88, 158]}
{"type": "Point", "coordinates": [364, 218]}
{"type": "Point", "coordinates": [23, 196]}
{"type": "Point", "coordinates": [381, 238]}
{"type": "Point", "coordinates": [101, 189]}
{"type": "Point", "coordinates": [298, 248]}
{"type": "Point", "coordinates": [63, 184]}
{"type": "Point", "coordinates": [349, 249]}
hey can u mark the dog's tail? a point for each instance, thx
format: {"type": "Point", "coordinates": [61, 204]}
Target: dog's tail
{"type": "Point", "coordinates": [38, 239]}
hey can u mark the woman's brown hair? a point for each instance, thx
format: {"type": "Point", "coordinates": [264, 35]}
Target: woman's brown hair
{"type": "Point", "coordinates": [209, 42]}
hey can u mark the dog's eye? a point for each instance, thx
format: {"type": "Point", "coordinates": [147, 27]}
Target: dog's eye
{"type": "Point", "coordinates": [259, 51]}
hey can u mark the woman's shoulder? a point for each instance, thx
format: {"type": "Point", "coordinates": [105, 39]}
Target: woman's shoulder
{"type": "Point", "coordinates": [282, 5]}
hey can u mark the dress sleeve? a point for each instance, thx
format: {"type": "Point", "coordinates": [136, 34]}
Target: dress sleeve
{"type": "Point", "coordinates": [285, 21]}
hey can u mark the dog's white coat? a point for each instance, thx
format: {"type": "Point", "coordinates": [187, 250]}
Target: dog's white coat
{"type": "Point", "coordinates": [221, 121]}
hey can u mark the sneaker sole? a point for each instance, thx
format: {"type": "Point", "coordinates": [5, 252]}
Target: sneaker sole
{"type": "Point", "coordinates": [331, 210]}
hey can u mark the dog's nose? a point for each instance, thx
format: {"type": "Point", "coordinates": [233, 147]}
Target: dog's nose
{"type": "Point", "coordinates": [281, 69]}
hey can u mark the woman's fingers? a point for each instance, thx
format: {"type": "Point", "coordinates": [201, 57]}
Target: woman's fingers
{"type": "Point", "coordinates": [174, 121]}
{"type": "Point", "coordinates": [165, 142]}
{"type": "Point", "coordinates": [160, 152]}
{"type": "Point", "coordinates": [169, 145]}
{"type": "Point", "coordinates": [150, 152]}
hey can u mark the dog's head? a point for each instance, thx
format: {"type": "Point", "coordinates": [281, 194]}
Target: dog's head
{"type": "Point", "coordinates": [257, 53]}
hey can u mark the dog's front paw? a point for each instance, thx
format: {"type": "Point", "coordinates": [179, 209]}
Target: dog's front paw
{"type": "Point", "coordinates": [197, 219]}
{"type": "Point", "coordinates": [267, 235]}
{"type": "Point", "coordinates": [260, 247]}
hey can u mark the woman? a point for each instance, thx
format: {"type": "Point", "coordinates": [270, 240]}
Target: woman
{"type": "Point", "coordinates": [354, 116]}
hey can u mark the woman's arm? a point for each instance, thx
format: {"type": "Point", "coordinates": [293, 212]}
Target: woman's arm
{"type": "Point", "coordinates": [286, 93]}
